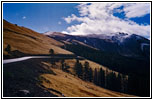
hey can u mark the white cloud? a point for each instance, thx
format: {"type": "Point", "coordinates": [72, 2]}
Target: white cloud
{"type": "Point", "coordinates": [24, 17]}
{"type": "Point", "coordinates": [137, 9]}
{"type": "Point", "coordinates": [59, 23]}
{"type": "Point", "coordinates": [98, 18]}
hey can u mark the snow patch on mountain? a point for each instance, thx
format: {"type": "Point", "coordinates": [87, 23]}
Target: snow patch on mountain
{"type": "Point", "coordinates": [48, 33]}
{"type": "Point", "coordinates": [120, 37]}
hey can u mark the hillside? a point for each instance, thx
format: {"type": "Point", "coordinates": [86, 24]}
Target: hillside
{"type": "Point", "coordinates": [42, 79]}
{"type": "Point", "coordinates": [28, 41]}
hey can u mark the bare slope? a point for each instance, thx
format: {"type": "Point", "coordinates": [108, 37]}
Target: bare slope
{"type": "Point", "coordinates": [28, 41]}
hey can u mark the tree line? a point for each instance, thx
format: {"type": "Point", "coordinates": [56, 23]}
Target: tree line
{"type": "Point", "coordinates": [130, 84]}
{"type": "Point", "coordinates": [100, 77]}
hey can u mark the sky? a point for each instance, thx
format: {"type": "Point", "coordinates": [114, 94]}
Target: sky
{"type": "Point", "coordinates": [81, 18]}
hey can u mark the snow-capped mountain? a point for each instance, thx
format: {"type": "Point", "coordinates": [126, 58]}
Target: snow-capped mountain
{"type": "Point", "coordinates": [121, 43]}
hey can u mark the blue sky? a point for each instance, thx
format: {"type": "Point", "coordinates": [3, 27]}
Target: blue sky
{"type": "Point", "coordinates": [74, 18]}
{"type": "Point", "coordinates": [40, 17]}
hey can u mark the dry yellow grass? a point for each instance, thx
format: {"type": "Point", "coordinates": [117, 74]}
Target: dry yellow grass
{"type": "Point", "coordinates": [71, 86]}
{"type": "Point", "coordinates": [29, 41]}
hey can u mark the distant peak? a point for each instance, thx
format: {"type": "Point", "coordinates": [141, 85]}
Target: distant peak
{"type": "Point", "coordinates": [121, 33]}
{"type": "Point", "coordinates": [48, 33]}
{"type": "Point", "coordinates": [51, 33]}
{"type": "Point", "coordinates": [55, 34]}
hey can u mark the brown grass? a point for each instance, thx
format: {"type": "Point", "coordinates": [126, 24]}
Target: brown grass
{"type": "Point", "coordinates": [71, 86]}
{"type": "Point", "coordinates": [29, 41]}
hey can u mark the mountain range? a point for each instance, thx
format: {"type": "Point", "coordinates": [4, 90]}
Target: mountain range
{"type": "Point", "coordinates": [121, 43]}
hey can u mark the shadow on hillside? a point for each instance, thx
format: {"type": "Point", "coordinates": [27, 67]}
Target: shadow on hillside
{"type": "Point", "coordinates": [12, 54]}
{"type": "Point", "coordinates": [25, 76]}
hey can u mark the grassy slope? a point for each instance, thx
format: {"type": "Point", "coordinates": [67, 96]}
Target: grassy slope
{"type": "Point", "coordinates": [28, 41]}
{"type": "Point", "coordinates": [42, 79]}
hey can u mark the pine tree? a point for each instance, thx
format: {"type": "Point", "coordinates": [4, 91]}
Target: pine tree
{"type": "Point", "coordinates": [86, 71]}
{"type": "Point", "coordinates": [90, 75]}
{"type": "Point", "coordinates": [62, 64]}
{"type": "Point", "coordinates": [51, 51]}
{"type": "Point", "coordinates": [95, 79]}
{"type": "Point", "coordinates": [114, 81]}
{"type": "Point", "coordinates": [124, 83]}
{"type": "Point", "coordinates": [8, 48]}
{"type": "Point", "coordinates": [119, 82]}
{"type": "Point", "coordinates": [106, 80]}
{"type": "Point", "coordinates": [101, 77]}
{"type": "Point", "coordinates": [78, 68]}
{"type": "Point", "coordinates": [111, 81]}
{"type": "Point", "coordinates": [76, 65]}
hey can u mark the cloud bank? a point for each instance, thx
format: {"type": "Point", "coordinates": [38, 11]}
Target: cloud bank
{"type": "Point", "coordinates": [98, 18]}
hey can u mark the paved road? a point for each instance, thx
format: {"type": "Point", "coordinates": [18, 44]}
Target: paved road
{"type": "Point", "coordinates": [31, 57]}
{"type": "Point", "coordinates": [22, 58]}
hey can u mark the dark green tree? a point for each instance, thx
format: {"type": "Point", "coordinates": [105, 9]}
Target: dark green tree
{"type": "Point", "coordinates": [119, 82]}
{"type": "Point", "coordinates": [62, 64]}
{"type": "Point", "coordinates": [95, 77]}
{"type": "Point", "coordinates": [124, 84]}
{"type": "Point", "coordinates": [111, 81]}
{"type": "Point", "coordinates": [90, 74]}
{"type": "Point", "coordinates": [78, 68]}
{"type": "Point", "coordinates": [86, 71]}
{"type": "Point", "coordinates": [106, 80]}
{"type": "Point", "coordinates": [51, 51]}
{"type": "Point", "coordinates": [101, 77]}
{"type": "Point", "coordinates": [66, 68]}
{"type": "Point", "coordinates": [8, 48]}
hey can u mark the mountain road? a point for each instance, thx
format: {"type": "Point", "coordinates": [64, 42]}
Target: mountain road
{"type": "Point", "coordinates": [33, 57]}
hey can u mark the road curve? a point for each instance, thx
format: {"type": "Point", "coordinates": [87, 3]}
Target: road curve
{"type": "Point", "coordinates": [22, 58]}
{"type": "Point", "coordinates": [31, 57]}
